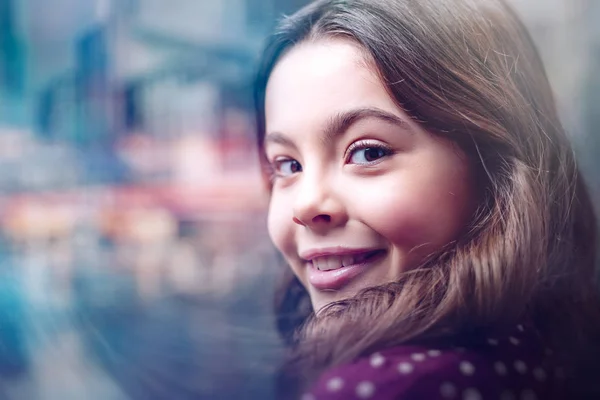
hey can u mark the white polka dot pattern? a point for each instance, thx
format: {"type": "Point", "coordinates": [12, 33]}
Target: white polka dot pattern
{"type": "Point", "coordinates": [539, 374]}
{"type": "Point", "coordinates": [500, 368]}
{"type": "Point", "coordinates": [365, 390]}
{"type": "Point", "coordinates": [471, 394]}
{"type": "Point", "coordinates": [434, 353]}
{"type": "Point", "coordinates": [466, 368]}
{"type": "Point", "coordinates": [494, 368]}
{"type": "Point", "coordinates": [520, 367]}
{"type": "Point", "coordinates": [405, 368]}
{"type": "Point", "coordinates": [335, 384]}
{"type": "Point", "coordinates": [377, 360]}
{"type": "Point", "coordinates": [448, 390]}
{"type": "Point", "coordinates": [528, 394]}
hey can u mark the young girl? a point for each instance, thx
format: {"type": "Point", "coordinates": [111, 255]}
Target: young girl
{"type": "Point", "coordinates": [428, 203]}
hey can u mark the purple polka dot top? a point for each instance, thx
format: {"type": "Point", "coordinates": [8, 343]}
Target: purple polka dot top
{"type": "Point", "coordinates": [509, 366]}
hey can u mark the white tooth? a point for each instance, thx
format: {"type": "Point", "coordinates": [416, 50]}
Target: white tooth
{"type": "Point", "coordinates": [327, 263]}
{"type": "Point", "coordinates": [347, 260]}
{"type": "Point", "coordinates": [333, 262]}
{"type": "Point", "coordinates": [319, 263]}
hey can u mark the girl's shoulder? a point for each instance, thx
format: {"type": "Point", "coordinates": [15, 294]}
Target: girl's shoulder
{"type": "Point", "coordinates": [513, 366]}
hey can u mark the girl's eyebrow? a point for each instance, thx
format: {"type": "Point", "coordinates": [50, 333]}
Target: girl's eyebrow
{"type": "Point", "coordinates": [340, 123]}
{"type": "Point", "coordinates": [279, 138]}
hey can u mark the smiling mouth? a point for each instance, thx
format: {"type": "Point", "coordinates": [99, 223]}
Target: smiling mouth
{"type": "Point", "coordinates": [333, 262]}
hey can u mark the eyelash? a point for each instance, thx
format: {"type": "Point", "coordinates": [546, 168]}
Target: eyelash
{"type": "Point", "coordinates": [274, 166]}
{"type": "Point", "coordinates": [367, 144]}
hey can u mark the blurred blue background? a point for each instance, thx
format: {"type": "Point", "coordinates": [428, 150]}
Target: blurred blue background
{"type": "Point", "coordinates": [134, 257]}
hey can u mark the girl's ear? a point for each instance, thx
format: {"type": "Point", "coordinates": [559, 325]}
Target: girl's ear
{"type": "Point", "coordinates": [292, 306]}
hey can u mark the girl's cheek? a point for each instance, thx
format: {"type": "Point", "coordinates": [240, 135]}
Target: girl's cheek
{"type": "Point", "coordinates": [272, 224]}
{"type": "Point", "coordinates": [406, 215]}
{"type": "Point", "coordinates": [400, 223]}
{"type": "Point", "coordinates": [279, 223]}
{"type": "Point", "coordinates": [430, 219]}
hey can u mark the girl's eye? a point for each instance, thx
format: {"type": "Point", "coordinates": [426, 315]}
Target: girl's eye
{"type": "Point", "coordinates": [368, 154]}
{"type": "Point", "coordinates": [286, 167]}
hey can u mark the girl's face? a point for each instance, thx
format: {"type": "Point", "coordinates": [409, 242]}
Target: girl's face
{"type": "Point", "coordinates": [361, 193]}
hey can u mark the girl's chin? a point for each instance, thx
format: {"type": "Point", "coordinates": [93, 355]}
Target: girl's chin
{"type": "Point", "coordinates": [321, 299]}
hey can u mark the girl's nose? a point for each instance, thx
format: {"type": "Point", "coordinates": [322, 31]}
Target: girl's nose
{"type": "Point", "coordinates": [317, 205]}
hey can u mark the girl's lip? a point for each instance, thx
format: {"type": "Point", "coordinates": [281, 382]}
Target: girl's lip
{"type": "Point", "coordinates": [337, 278]}
{"type": "Point", "coordinates": [308, 255]}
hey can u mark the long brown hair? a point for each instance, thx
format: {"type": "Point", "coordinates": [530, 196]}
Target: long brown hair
{"type": "Point", "coordinates": [466, 70]}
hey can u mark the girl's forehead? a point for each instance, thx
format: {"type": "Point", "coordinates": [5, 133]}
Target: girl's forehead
{"type": "Point", "coordinates": [321, 78]}
{"type": "Point", "coordinates": [314, 60]}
